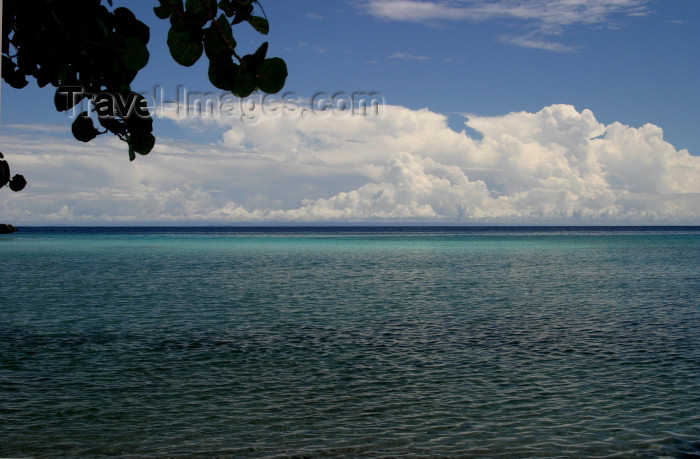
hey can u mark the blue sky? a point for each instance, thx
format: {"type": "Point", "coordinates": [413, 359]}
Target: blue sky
{"type": "Point", "coordinates": [577, 112]}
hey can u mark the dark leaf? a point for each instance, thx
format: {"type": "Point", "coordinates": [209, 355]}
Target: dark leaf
{"type": "Point", "coordinates": [83, 129]}
{"type": "Point", "coordinates": [18, 183]}
{"type": "Point", "coordinates": [141, 31]}
{"type": "Point", "coordinates": [134, 54]}
{"type": "Point", "coordinates": [227, 7]}
{"type": "Point", "coordinates": [259, 56]}
{"type": "Point", "coordinates": [163, 12]}
{"type": "Point", "coordinates": [201, 10]}
{"type": "Point", "coordinates": [142, 106]}
{"type": "Point", "coordinates": [185, 48]}
{"type": "Point", "coordinates": [180, 22]}
{"type": "Point", "coordinates": [260, 24]}
{"type": "Point", "coordinates": [222, 73]}
{"type": "Point", "coordinates": [124, 15]}
{"type": "Point", "coordinates": [138, 121]}
{"type": "Point", "coordinates": [103, 28]}
{"type": "Point", "coordinates": [243, 84]}
{"type": "Point", "coordinates": [45, 75]}
{"type": "Point", "coordinates": [272, 74]}
{"type": "Point", "coordinates": [243, 12]}
{"type": "Point", "coordinates": [142, 144]}
{"type": "Point", "coordinates": [4, 173]}
{"type": "Point", "coordinates": [127, 25]}
{"type": "Point", "coordinates": [218, 40]}
{"type": "Point", "coordinates": [124, 89]}
{"type": "Point", "coordinates": [139, 125]}
{"type": "Point", "coordinates": [13, 77]}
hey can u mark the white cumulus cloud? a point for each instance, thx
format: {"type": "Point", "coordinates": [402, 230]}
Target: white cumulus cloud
{"type": "Point", "coordinates": [558, 165]}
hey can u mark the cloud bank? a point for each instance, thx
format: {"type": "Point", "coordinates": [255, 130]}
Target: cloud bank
{"type": "Point", "coordinates": [555, 166]}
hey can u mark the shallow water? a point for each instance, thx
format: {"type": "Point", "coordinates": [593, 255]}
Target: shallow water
{"type": "Point", "coordinates": [360, 342]}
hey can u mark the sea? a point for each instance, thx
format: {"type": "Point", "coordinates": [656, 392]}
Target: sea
{"type": "Point", "coordinates": [356, 341]}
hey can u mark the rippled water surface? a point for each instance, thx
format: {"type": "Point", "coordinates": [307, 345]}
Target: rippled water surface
{"type": "Point", "coordinates": [350, 342]}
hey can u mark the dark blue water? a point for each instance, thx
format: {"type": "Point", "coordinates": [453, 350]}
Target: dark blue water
{"type": "Point", "coordinates": [350, 341]}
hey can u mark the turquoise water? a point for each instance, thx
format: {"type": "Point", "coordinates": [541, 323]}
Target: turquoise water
{"type": "Point", "coordinates": [350, 342]}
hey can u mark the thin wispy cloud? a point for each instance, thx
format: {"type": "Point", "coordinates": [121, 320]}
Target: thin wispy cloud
{"type": "Point", "coordinates": [535, 42]}
{"type": "Point", "coordinates": [547, 17]}
{"type": "Point", "coordinates": [408, 56]}
{"type": "Point", "coordinates": [556, 12]}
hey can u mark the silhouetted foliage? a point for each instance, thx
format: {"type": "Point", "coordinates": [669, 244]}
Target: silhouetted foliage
{"type": "Point", "coordinates": [88, 52]}
{"type": "Point", "coordinates": [16, 183]}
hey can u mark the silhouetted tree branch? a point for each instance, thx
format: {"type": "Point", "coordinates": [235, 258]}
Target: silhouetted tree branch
{"type": "Point", "coordinates": [88, 52]}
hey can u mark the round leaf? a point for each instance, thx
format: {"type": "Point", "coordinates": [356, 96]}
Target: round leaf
{"type": "Point", "coordinates": [163, 12]}
{"type": "Point", "coordinates": [243, 84]}
{"type": "Point", "coordinates": [218, 39]}
{"type": "Point", "coordinates": [184, 47]}
{"type": "Point", "coordinates": [135, 54]}
{"type": "Point", "coordinates": [83, 129]}
{"type": "Point", "coordinates": [18, 183]}
{"type": "Point", "coordinates": [272, 74]}
{"type": "Point", "coordinates": [127, 25]}
{"type": "Point", "coordinates": [142, 144]}
{"type": "Point", "coordinates": [222, 73]}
